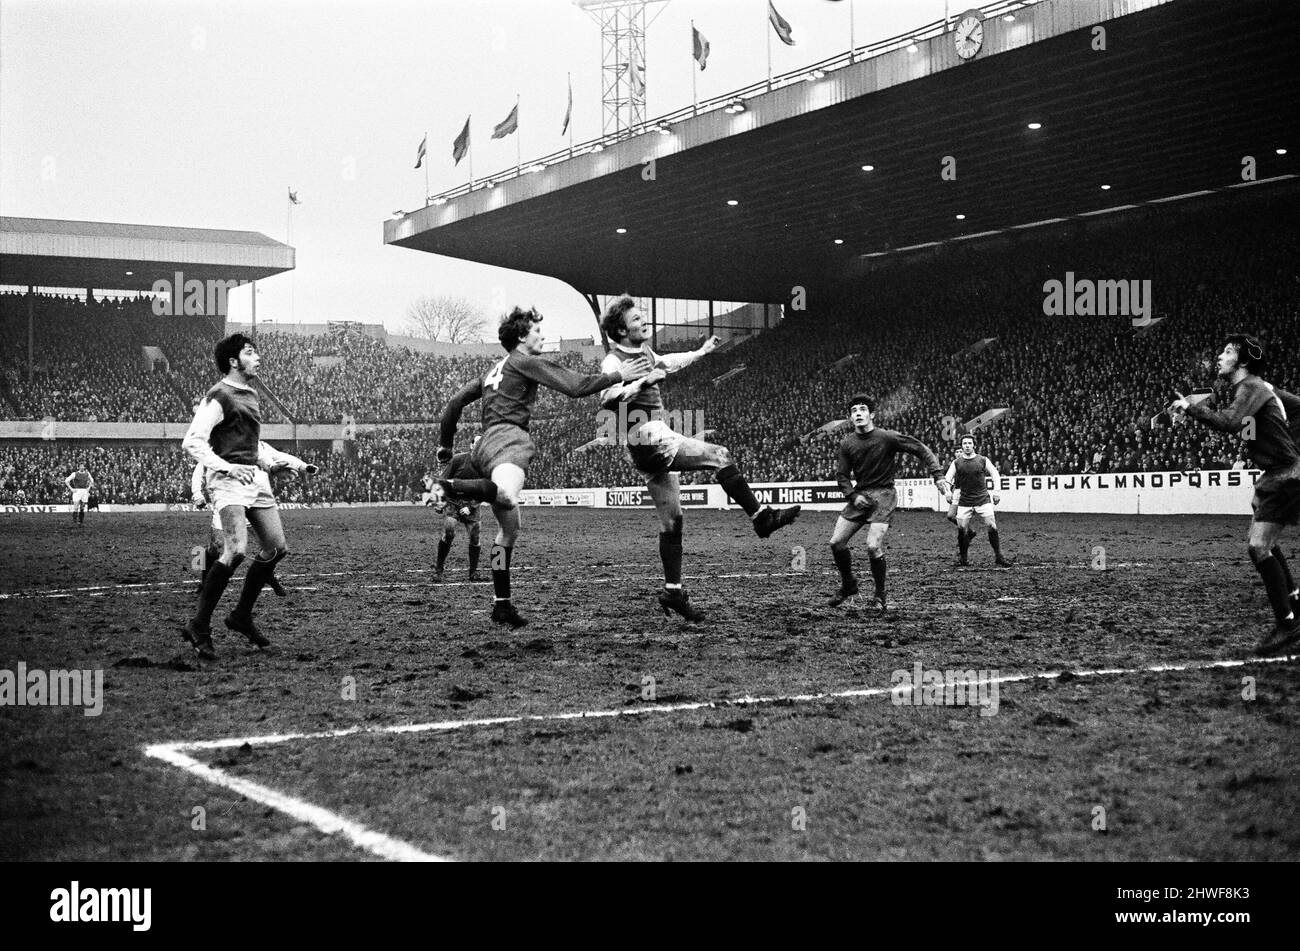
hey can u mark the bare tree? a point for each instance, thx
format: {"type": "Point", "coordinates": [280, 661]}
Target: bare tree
{"type": "Point", "coordinates": [447, 318]}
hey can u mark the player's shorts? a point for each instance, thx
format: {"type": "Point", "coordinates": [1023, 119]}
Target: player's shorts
{"type": "Point", "coordinates": [467, 513]}
{"type": "Point", "coordinates": [883, 501]}
{"type": "Point", "coordinates": [502, 443]}
{"type": "Point", "coordinates": [654, 447]}
{"type": "Point", "coordinates": [81, 496]}
{"type": "Point", "coordinates": [1277, 496]}
{"type": "Point", "coordinates": [984, 511]}
{"type": "Point", "coordinates": [226, 490]}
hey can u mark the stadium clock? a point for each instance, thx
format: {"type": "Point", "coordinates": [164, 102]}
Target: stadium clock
{"type": "Point", "coordinates": [968, 34]}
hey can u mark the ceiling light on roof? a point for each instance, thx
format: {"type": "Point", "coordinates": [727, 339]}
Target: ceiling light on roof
{"type": "Point", "coordinates": [815, 75]}
{"type": "Point", "coordinates": [620, 230]}
{"type": "Point", "coordinates": [1281, 151]}
{"type": "Point", "coordinates": [663, 128]}
{"type": "Point", "coordinates": [129, 273]}
{"type": "Point", "coordinates": [1035, 126]}
{"type": "Point", "coordinates": [912, 47]}
{"type": "Point", "coordinates": [1105, 188]}
{"type": "Point", "coordinates": [1009, 18]}
{"type": "Point", "coordinates": [735, 106]}
{"type": "Point", "coordinates": [598, 147]}
{"type": "Point", "coordinates": [732, 202]}
{"type": "Point", "coordinates": [961, 217]}
{"type": "Point", "coordinates": [839, 240]}
{"type": "Point", "coordinates": [440, 200]}
{"type": "Point", "coordinates": [868, 168]}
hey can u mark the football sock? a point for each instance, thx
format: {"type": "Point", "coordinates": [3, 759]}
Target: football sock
{"type": "Point", "coordinates": [878, 573]}
{"type": "Point", "coordinates": [477, 490]}
{"type": "Point", "coordinates": [473, 557]}
{"type": "Point", "coordinates": [1286, 569]}
{"type": "Point", "coordinates": [963, 541]}
{"type": "Point", "coordinates": [994, 541]}
{"type": "Point", "coordinates": [254, 582]}
{"type": "Point", "coordinates": [670, 553]}
{"type": "Point", "coordinates": [844, 562]}
{"type": "Point", "coordinates": [213, 585]}
{"type": "Point", "coordinates": [737, 489]}
{"type": "Point", "coordinates": [444, 546]}
{"type": "Point", "coordinates": [1275, 584]}
{"type": "Point", "coordinates": [210, 557]}
{"type": "Point", "coordinates": [500, 558]}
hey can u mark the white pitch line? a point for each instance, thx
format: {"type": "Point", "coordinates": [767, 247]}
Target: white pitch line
{"type": "Point", "coordinates": [330, 823]}
{"type": "Point", "coordinates": [156, 587]}
{"type": "Point", "coordinates": [396, 850]}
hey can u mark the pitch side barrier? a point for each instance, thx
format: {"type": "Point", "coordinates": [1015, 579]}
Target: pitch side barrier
{"type": "Point", "coordinates": [1215, 492]}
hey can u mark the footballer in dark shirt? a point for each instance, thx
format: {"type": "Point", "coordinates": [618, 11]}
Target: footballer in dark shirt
{"type": "Point", "coordinates": [454, 509]}
{"type": "Point", "coordinates": [508, 391]}
{"type": "Point", "coordinates": [1268, 420]}
{"type": "Point", "coordinates": [866, 477]}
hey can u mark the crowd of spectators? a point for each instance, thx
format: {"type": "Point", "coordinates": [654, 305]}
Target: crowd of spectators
{"type": "Point", "coordinates": [938, 341]}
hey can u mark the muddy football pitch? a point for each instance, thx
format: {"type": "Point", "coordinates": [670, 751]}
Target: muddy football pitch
{"type": "Point", "coordinates": [1119, 713]}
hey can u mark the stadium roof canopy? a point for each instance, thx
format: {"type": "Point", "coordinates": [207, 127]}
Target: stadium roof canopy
{"type": "Point", "coordinates": [1181, 92]}
{"type": "Point", "coordinates": [76, 254]}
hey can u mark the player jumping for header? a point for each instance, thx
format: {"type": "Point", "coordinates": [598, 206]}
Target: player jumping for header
{"type": "Point", "coordinates": [659, 453]}
{"type": "Point", "coordinates": [225, 438]}
{"type": "Point", "coordinates": [200, 497]}
{"type": "Point", "coordinates": [508, 392]}
{"type": "Point", "coordinates": [966, 475]}
{"type": "Point", "coordinates": [1267, 420]}
{"type": "Point", "coordinates": [79, 484]}
{"type": "Point", "coordinates": [865, 473]}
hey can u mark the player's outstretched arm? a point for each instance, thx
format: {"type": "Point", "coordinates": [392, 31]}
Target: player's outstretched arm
{"type": "Point", "coordinates": [467, 394]}
{"type": "Point", "coordinates": [1251, 395]}
{"type": "Point", "coordinates": [272, 459]}
{"type": "Point", "coordinates": [575, 385]}
{"type": "Point", "coordinates": [672, 362]}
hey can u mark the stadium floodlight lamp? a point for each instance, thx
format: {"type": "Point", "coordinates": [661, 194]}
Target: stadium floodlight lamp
{"type": "Point", "coordinates": [868, 168]}
{"type": "Point", "coordinates": [1035, 126]}
{"type": "Point", "coordinates": [598, 147]}
{"type": "Point", "coordinates": [491, 184]}
{"type": "Point", "coordinates": [1105, 188]}
{"type": "Point", "coordinates": [1009, 18]}
{"type": "Point", "coordinates": [730, 201]}
{"type": "Point", "coordinates": [130, 273]}
{"type": "Point", "coordinates": [815, 75]}
{"type": "Point", "coordinates": [912, 47]}
{"type": "Point", "coordinates": [736, 106]}
{"type": "Point", "coordinates": [663, 128]}
{"type": "Point", "coordinates": [961, 217]}
{"type": "Point", "coordinates": [839, 240]}
{"type": "Point", "coordinates": [620, 231]}
{"type": "Point", "coordinates": [440, 200]}
{"type": "Point", "coordinates": [1281, 151]}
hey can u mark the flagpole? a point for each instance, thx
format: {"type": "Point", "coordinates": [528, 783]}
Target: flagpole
{"type": "Point", "coordinates": [426, 168]}
{"type": "Point", "coordinates": [695, 96]}
{"type": "Point", "coordinates": [470, 145]}
{"type": "Point", "coordinates": [768, 31]}
{"type": "Point", "coordinates": [570, 115]}
{"type": "Point", "coordinates": [519, 138]}
{"type": "Point", "coordinates": [853, 45]}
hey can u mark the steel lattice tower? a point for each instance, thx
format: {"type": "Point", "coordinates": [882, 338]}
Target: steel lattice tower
{"type": "Point", "coordinates": [622, 33]}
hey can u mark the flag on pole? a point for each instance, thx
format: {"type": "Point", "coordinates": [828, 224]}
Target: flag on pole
{"type": "Point", "coordinates": [700, 47]}
{"type": "Point", "coordinates": [293, 197]}
{"type": "Point", "coordinates": [508, 125]}
{"type": "Point", "coordinates": [419, 153]}
{"type": "Point", "coordinates": [461, 145]}
{"type": "Point", "coordinates": [568, 112]}
{"type": "Point", "coordinates": [780, 24]}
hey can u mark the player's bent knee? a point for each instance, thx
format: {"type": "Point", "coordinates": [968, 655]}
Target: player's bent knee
{"type": "Point", "coordinates": [722, 456]}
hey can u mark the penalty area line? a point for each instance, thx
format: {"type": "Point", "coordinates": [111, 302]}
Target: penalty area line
{"type": "Point", "coordinates": [387, 847]}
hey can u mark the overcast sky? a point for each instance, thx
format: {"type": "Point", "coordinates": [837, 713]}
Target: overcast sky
{"type": "Point", "coordinates": [202, 114]}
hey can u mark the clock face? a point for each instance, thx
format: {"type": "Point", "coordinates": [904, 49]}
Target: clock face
{"type": "Point", "coordinates": [968, 36]}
